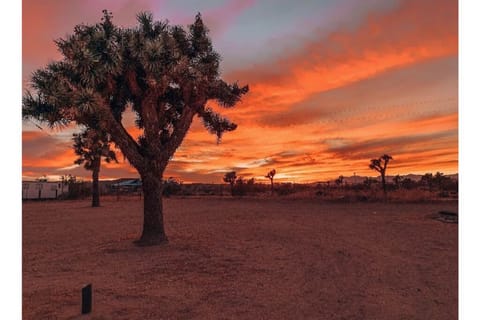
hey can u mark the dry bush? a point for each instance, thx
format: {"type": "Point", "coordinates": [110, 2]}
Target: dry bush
{"type": "Point", "coordinates": [414, 195]}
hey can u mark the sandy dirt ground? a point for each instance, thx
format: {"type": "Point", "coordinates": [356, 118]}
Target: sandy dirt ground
{"type": "Point", "coordinates": [241, 259]}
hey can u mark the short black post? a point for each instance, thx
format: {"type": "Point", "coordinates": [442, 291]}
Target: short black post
{"type": "Point", "coordinates": [87, 299]}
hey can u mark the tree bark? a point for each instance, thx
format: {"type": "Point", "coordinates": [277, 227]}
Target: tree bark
{"type": "Point", "coordinates": [95, 187]}
{"type": "Point", "coordinates": [121, 137]}
{"type": "Point", "coordinates": [384, 185]}
{"type": "Point", "coordinates": [153, 229]}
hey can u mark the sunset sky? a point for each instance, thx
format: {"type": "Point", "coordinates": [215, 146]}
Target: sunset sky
{"type": "Point", "coordinates": [333, 84]}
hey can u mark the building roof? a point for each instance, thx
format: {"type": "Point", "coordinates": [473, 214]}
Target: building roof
{"type": "Point", "coordinates": [128, 183]}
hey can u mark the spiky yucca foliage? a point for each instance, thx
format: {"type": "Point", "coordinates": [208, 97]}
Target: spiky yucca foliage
{"type": "Point", "coordinates": [167, 74]}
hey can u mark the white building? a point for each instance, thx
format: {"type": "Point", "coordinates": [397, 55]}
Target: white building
{"type": "Point", "coordinates": [42, 190]}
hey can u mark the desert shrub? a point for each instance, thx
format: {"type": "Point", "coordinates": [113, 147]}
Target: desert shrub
{"type": "Point", "coordinates": [411, 195]}
{"type": "Point", "coordinates": [362, 198]}
{"type": "Point", "coordinates": [370, 183]}
{"type": "Point", "coordinates": [443, 194]}
{"type": "Point", "coordinates": [284, 189]}
{"type": "Point", "coordinates": [449, 184]}
{"type": "Point", "coordinates": [78, 190]}
{"type": "Point", "coordinates": [240, 187]}
{"type": "Point", "coordinates": [171, 186]}
{"type": "Point", "coordinates": [408, 184]}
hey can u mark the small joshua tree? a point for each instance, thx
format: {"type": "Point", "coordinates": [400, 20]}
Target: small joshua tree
{"type": "Point", "coordinates": [270, 176]}
{"type": "Point", "coordinates": [380, 165]}
{"type": "Point", "coordinates": [91, 146]}
{"type": "Point", "coordinates": [230, 177]}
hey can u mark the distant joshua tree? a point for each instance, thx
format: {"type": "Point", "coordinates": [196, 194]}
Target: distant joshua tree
{"type": "Point", "coordinates": [339, 181]}
{"type": "Point", "coordinates": [380, 165]}
{"type": "Point", "coordinates": [91, 146]}
{"type": "Point", "coordinates": [270, 176]}
{"type": "Point", "coordinates": [230, 177]}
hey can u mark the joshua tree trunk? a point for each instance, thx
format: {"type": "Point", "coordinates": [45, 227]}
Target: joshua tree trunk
{"type": "Point", "coordinates": [231, 188]}
{"type": "Point", "coordinates": [153, 229]}
{"type": "Point", "coordinates": [95, 188]}
{"type": "Point", "coordinates": [271, 186]}
{"type": "Point", "coordinates": [384, 186]}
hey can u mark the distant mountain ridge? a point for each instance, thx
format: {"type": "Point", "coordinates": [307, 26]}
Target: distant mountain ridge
{"type": "Point", "coordinates": [389, 179]}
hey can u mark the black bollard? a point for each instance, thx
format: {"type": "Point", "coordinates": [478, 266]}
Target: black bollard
{"type": "Point", "coordinates": [87, 299]}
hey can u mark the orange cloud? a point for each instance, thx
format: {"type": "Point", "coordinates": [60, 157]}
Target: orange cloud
{"type": "Point", "coordinates": [32, 135]}
{"type": "Point", "coordinates": [389, 86]}
{"type": "Point", "coordinates": [416, 31]}
{"type": "Point", "coordinates": [53, 159]}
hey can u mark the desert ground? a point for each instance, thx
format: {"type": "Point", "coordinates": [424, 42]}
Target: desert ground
{"type": "Point", "coordinates": [230, 258]}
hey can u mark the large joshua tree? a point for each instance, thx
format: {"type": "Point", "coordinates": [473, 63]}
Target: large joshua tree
{"type": "Point", "coordinates": [166, 74]}
{"type": "Point", "coordinates": [380, 165]}
{"type": "Point", "coordinates": [91, 146]}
